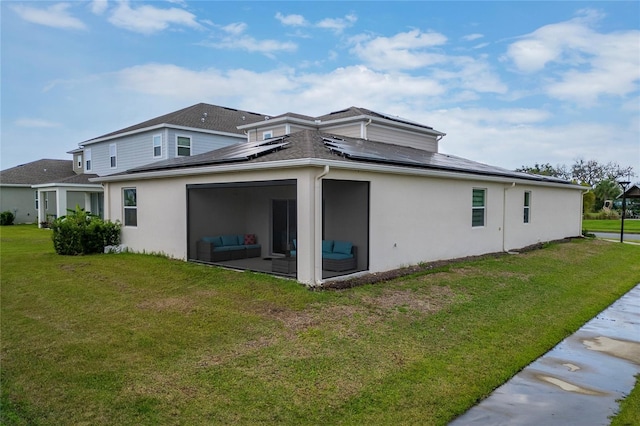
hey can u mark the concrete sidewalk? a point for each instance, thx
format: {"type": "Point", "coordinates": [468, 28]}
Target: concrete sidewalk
{"type": "Point", "coordinates": [579, 382]}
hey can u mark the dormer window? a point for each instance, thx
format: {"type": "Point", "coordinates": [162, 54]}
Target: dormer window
{"type": "Point", "coordinates": [79, 161]}
{"type": "Point", "coordinates": [267, 135]}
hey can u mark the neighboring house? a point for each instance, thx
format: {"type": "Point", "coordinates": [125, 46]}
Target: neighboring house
{"type": "Point", "coordinates": [43, 188]}
{"type": "Point", "coordinates": [372, 180]}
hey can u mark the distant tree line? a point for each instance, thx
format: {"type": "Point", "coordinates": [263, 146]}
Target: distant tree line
{"type": "Point", "coordinates": [602, 178]}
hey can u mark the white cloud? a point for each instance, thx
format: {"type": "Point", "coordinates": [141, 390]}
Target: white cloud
{"type": "Point", "coordinates": [98, 7]}
{"type": "Point", "coordinates": [55, 16]}
{"type": "Point", "coordinates": [292, 20]}
{"type": "Point", "coordinates": [250, 44]}
{"type": "Point", "coordinates": [235, 28]}
{"type": "Point", "coordinates": [149, 19]}
{"type": "Point", "coordinates": [587, 64]}
{"type": "Point", "coordinates": [401, 51]}
{"type": "Point", "coordinates": [471, 37]}
{"type": "Point", "coordinates": [35, 123]}
{"type": "Point", "coordinates": [337, 24]}
{"type": "Point", "coordinates": [415, 50]}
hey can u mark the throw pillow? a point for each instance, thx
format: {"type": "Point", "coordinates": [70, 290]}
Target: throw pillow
{"type": "Point", "coordinates": [249, 239]}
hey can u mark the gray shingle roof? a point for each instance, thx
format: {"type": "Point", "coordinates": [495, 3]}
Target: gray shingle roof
{"type": "Point", "coordinates": [357, 111]}
{"type": "Point", "coordinates": [314, 144]}
{"type": "Point", "coordinates": [38, 172]}
{"type": "Point", "coordinates": [215, 117]}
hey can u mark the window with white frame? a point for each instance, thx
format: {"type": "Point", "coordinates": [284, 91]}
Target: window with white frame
{"type": "Point", "coordinates": [130, 205]}
{"type": "Point", "coordinates": [157, 146]}
{"type": "Point", "coordinates": [37, 200]}
{"type": "Point", "coordinates": [267, 135]}
{"type": "Point", "coordinates": [184, 146]}
{"type": "Point", "coordinates": [79, 162]}
{"type": "Point", "coordinates": [46, 201]}
{"type": "Point", "coordinates": [87, 159]}
{"type": "Point", "coordinates": [527, 206]}
{"type": "Point", "coordinates": [478, 209]}
{"type": "Point", "coordinates": [112, 156]}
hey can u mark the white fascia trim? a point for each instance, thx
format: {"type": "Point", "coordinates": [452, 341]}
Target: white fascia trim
{"type": "Point", "coordinates": [383, 121]}
{"type": "Point", "coordinates": [74, 186]}
{"type": "Point", "coordinates": [15, 185]}
{"type": "Point", "coordinates": [161, 126]}
{"type": "Point", "coordinates": [279, 120]}
{"type": "Point", "coordinates": [334, 164]}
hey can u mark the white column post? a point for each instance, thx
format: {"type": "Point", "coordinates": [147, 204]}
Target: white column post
{"type": "Point", "coordinates": [61, 202]}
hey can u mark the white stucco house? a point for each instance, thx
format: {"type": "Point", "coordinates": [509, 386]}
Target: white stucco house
{"type": "Point", "coordinates": [315, 198]}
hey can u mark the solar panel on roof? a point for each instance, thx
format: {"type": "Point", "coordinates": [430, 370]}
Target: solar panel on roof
{"type": "Point", "coordinates": [407, 156]}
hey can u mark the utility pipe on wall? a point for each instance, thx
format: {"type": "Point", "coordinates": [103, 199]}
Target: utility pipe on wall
{"type": "Point", "coordinates": [504, 214]}
{"type": "Point", "coordinates": [317, 255]}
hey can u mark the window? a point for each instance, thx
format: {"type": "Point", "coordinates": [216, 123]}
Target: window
{"type": "Point", "coordinates": [267, 135]}
{"type": "Point", "coordinates": [79, 161]}
{"type": "Point", "coordinates": [87, 159]}
{"type": "Point", "coordinates": [37, 200]}
{"type": "Point", "coordinates": [130, 203]}
{"type": "Point", "coordinates": [46, 201]}
{"type": "Point", "coordinates": [112, 155]}
{"type": "Point", "coordinates": [157, 146]}
{"type": "Point", "coordinates": [527, 206]}
{"type": "Point", "coordinates": [478, 210]}
{"type": "Point", "coordinates": [184, 146]}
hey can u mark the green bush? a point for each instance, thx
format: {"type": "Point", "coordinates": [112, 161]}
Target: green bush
{"type": "Point", "coordinates": [603, 215]}
{"type": "Point", "coordinates": [7, 218]}
{"type": "Point", "coordinates": [80, 232]}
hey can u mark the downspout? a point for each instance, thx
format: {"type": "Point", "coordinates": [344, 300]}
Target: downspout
{"type": "Point", "coordinates": [364, 136]}
{"type": "Point", "coordinates": [317, 256]}
{"type": "Point", "coordinates": [504, 214]}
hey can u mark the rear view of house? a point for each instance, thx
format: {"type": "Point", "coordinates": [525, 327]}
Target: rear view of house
{"type": "Point", "coordinates": [316, 198]}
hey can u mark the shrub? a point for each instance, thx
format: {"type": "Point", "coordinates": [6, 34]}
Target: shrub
{"type": "Point", "coordinates": [7, 218]}
{"type": "Point", "coordinates": [602, 215]}
{"type": "Point", "coordinates": [80, 232]}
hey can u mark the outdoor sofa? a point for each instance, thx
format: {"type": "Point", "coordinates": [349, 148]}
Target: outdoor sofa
{"type": "Point", "coordinates": [337, 255]}
{"type": "Point", "coordinates": [228, 247]}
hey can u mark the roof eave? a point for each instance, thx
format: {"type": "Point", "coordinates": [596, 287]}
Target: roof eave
{"type": "Point", "coordinates": [316, 162]}
{"type": "Point", "coordinates": [384, 121]}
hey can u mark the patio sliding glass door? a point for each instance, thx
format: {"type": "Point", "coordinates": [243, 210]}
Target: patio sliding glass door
{"type": "Point", "coordinates": [284, 223]}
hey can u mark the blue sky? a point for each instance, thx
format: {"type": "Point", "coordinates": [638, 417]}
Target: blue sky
{"type": "Point", "coordinates": [511, 83]}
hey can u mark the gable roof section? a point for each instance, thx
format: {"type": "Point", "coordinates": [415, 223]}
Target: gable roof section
{"type": "Point", "coordinates": [313, 144]}
{"type": "Point", "coordinates": [38, 172]}
{"type": "Point", "coordinates": [200, 116]}
{"type": "Point", "coordinates": [363, 112]}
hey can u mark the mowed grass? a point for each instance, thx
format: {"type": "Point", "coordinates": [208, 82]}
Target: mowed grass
{"type": "Point", "coordinates": [631, 226]}
{"type": "Point", "coordinates": [137, 339]}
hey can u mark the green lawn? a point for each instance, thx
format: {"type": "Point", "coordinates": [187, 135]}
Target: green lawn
{"type": "Point", "coordinates": [631, 226]}
{"type": "Point", "coordinates": [136, 339]}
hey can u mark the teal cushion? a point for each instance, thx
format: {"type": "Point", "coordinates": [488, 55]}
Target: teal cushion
{"type": "Point", "coordinates": [343, 247]}
{"type": "Point", "coordinates": [217, 241]}
{"type": "Point", "coordinates": [230, 240]}
{"type": "Point", "coordinates": [295, 243]}
{"type": "Point", "coordinates": [251, 246]}
{"type": "Point", "coordinates": [336, 256]}
{"type": "Point", "coordinates": [240, 239]}
{"type": "Point", "coordinates": [228, 248]}
{"type": "Point", "coordinates": [327, 246]}
{"type": "Point", "coordinates": [293, 253]}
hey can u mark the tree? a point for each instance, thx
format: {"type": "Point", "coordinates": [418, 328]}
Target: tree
{"type": "Point", "coordinates": [607, 189]}
{"type": "Point", "coordinates": [592, 173]}
{"type": "Point", "coordinates": [589, 172]}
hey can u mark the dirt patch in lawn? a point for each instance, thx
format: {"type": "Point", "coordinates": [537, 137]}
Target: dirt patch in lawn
{"type": "Point", "coordinates": [430, 301]}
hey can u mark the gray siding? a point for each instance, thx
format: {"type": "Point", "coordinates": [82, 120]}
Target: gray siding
{"type": "Point", "coordinates": [277, 130]}
{"type": "Point", "coordinates": [21, 202]}
{"type": "Point", "coordinates": [401, 137]}
{"type": "Point", "coordinates": [137, 150]}
{"type": "Point", "coordinates": [352, 130]}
